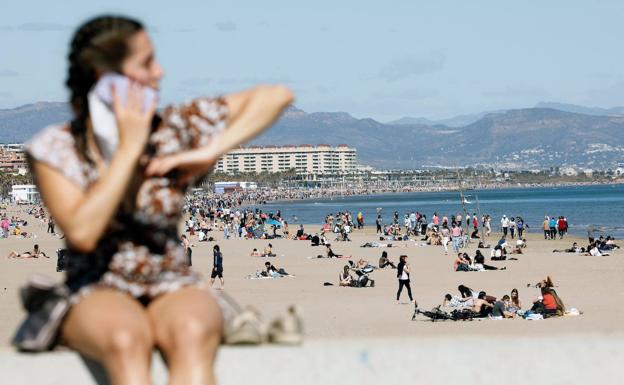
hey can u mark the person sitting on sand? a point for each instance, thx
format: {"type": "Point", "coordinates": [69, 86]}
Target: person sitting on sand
{"type": "Point", "coordinates": [461, 264]}
{"type": "Point", "coordinates": [385, 261]}
{"type": "Point", "coordinates": [482, 245]}
{"type": "Point", "coordinates": [549, 304]}
{"type": "Point", "coordinates": [268, 251]}
{"type": "Point", "coordinates": [482, 306]}
{"type": "Point", "coordinates": [475, 234]}
{"type": "Point", "coordinates": [498, 253]}
{"type": "Point", "coordinates": [467, 293]}
{"type": "Point", "coordinates": [479, 262]}
{"type": "Point", "coordinates": [499, 309]}
{"type": "Point", "coordinates": [345, 279]}
{"type": "Point", "coordinates": [516, 304]}
{"type": "Point", "coordinates": [329, 253]}
{"type": "Point", "coordinates": [255, 253]}
{"type": "Point", "coordinates": [36, 253]}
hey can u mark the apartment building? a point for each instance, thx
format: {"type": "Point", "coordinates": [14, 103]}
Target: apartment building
{"type": "Point", "coordinates": [305, 159]}
{"type": "Point", "coordinates": [12, 158]}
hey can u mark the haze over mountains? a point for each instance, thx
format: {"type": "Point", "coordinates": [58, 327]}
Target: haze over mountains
{"type": "Point", "coordinates": [550, 134]}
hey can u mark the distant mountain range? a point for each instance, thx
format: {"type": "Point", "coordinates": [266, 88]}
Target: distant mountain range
{"type": "Point", "coordinates": [550, 134]}
{"type": "Point", "coordinates": [463, 120]}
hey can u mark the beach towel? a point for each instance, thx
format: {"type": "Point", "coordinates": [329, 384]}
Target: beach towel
{"type": "Point", "coordinates": [258, 275]}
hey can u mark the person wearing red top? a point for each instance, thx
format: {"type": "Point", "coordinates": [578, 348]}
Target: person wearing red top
{"type": "Point", "coordinates": [550, 304]}
{"type": "Point", "coordinates": [562, 226]}
{"type": "Point", "coordinates": [549, 301]}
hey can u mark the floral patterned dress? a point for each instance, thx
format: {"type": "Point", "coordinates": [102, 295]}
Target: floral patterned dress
{"type": "Point", "coordinates": [140, 252]}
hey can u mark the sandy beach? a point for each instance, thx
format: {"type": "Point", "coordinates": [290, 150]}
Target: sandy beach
{"type": "Point", "coordinates": [590, 284]}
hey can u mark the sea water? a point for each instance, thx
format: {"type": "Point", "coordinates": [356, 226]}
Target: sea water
{"type": "Point", "coordinates": [599, 205]}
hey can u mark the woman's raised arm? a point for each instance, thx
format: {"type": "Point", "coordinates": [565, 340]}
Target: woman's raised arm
{"type": "Point", "coordinates": [251, 112]}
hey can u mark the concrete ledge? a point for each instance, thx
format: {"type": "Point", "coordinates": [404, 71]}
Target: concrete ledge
{"type": "Point", "coordinates": [561, 359]}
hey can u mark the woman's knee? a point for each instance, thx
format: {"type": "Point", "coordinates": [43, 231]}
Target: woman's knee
{"type": "Point", "coordinates": [124, 341]}
{"type": "Point", "coordinates": [200, 332]}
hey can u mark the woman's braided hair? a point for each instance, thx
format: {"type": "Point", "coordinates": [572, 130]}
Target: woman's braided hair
{"type": "Point", "coordinates": [100, 45]}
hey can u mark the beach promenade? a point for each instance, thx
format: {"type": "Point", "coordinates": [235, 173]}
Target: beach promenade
{"type": "Point", "coordinates": [469, 360]}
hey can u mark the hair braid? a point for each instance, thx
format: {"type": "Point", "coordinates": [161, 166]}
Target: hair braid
{"type": "Point", "coordinates": [98, 46]}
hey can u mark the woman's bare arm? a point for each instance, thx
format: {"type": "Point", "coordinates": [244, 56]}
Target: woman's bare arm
{"type": "Point", "coordinates": [83, 216]}
{"type": "Point", "coordinates": [251, 112]}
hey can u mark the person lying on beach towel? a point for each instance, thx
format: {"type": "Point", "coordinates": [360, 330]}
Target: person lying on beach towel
{"type": "Point", "coordinates": [35, 253]}
{"type": "Point", "coordinates": [361, 264]}
{"type": "Point", "coordinates": [273, 271]}
{"type": "Point", "coordinates": [270, 271]}
{"type": "Point", "coordinates": [255, 253]}
{"type": "Point", "coordinates": [457, 301]}
{"type": "Point", "coordinates": [574, 249]}
{"type": "Point", "coordinates": [595, 251]}
{"type": "Point", "coordinates": [329, 253]}
{"type": "Point", "coordinates": [376, 244]}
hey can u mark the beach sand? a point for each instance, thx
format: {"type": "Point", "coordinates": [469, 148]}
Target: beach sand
{"type": "Point", "coordinates": [593, 285]}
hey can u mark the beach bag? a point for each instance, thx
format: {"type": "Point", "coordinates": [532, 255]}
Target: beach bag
{"type": "Point", "coordinates": [47, 304]}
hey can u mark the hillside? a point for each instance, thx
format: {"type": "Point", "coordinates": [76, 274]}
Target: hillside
{"type": "Point", "coordinates": [522, 138]}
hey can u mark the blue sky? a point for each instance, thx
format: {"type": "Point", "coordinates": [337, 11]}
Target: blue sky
{"type": "Point", "coordinates": [374, 59]}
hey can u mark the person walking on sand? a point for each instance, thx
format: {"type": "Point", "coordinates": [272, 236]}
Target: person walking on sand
{"type": "Point", "coordinates": [403, 274]}
{"type": "Point", "coordinates": [504, 225]}
{"type": "Point", "coordinates": [51, 225]}
{"type": "Point", "coordinates": [217, 266]}
{"type": "Point", "coordinates": [187, 249]}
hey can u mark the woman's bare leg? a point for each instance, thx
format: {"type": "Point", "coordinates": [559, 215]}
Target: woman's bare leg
{"type": "Point", "coordinates": [187, 327]}
{"type": "Point", "coordinates": [112, 328]}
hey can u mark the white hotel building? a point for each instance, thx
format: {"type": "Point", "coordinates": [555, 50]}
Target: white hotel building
{"type": "Point", "coordinates": [305, 159]}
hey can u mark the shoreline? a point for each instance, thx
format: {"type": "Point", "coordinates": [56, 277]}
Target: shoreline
{"type": "Point", "coordinates": [441, 189]}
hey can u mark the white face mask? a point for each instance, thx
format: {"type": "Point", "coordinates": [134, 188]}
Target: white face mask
{"type": "Point", "coordinates": [104, 126]}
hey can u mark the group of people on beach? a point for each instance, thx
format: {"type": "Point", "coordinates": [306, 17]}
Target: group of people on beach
{"type": "Point", "coordinates": [555, 226]}
{"type": "Point", "coordinates": [546, 304]}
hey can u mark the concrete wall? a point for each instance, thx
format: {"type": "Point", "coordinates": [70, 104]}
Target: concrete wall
{"type": "Point", "coordinates": [501, 360]}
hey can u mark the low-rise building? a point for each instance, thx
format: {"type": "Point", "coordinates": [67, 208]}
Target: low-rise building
{"type": "Point", "coordinates": [24, 193]}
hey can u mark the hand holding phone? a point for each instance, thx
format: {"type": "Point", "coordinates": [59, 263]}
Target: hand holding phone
{"type": "Point", "coordinates": [121, 112]}
{"type": "Point", "coordinates": [121, 85]}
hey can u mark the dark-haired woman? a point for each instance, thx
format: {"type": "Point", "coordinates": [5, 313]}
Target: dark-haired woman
{"type": "Point", "coordinates": [403, 274]}
{"type": "Point", "coordinates": [119, 205]}
{"type": "Point", "coordinates": [385, 261]}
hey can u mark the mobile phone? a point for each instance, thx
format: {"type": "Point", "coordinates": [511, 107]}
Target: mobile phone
{"type": "Point", "coordinates": [103, 90]}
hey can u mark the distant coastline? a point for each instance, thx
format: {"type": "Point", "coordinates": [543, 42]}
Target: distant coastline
{"type": "Point", "coordinates": [337, 193]}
